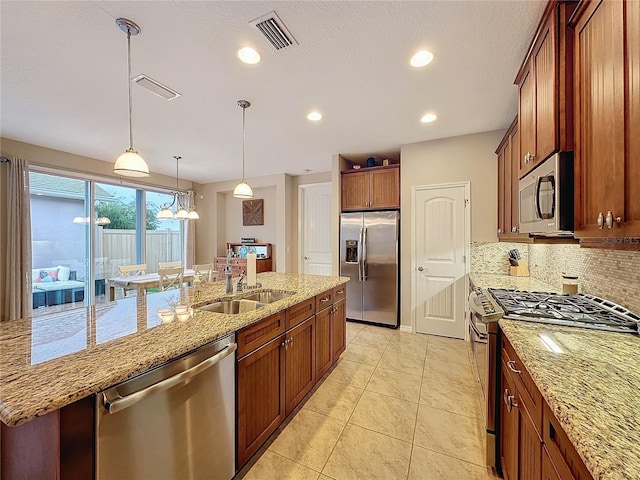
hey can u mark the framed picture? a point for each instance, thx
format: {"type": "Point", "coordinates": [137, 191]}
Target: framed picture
{"type": "Point", "coordinates": [253, 212]}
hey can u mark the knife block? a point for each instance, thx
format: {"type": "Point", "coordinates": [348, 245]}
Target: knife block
{"type": "Point", "coordinates": [519, 271]}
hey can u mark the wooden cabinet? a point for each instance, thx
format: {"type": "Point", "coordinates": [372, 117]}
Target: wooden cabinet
{"type": "Point", "coordinates": [545, 90]}
{"type": "Point", "coordinates": [260, 396]}
{"type": "Point", "coordinates": [239, 262]}
{"type": "Point", "coordinates": [280, 359]}
{"type": "Point", "coordinates": [372, 188]}
{"type": "Point", "coordinates": [607, 122]}
{"type": "Point", "coordinates": [532, 443]}
{"type": "Point", "coordinates": [300, 366]}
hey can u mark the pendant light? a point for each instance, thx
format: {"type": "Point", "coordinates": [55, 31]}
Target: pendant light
{"type": "Point", "coordinates": [130, 164]}
{"type": "Point", "coordinates": [181, 212]}
{"type": "Point", "coordinates": [243, 190]}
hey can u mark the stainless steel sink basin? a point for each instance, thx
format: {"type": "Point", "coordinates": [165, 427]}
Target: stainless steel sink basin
{"type": "Point", "coordinates": [225, 306]}
{"type": "Point", "coordinates": [267, 296]}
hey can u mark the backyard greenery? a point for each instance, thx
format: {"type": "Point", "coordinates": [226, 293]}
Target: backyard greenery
{"type": "Point", "coordinates": [123, 215]}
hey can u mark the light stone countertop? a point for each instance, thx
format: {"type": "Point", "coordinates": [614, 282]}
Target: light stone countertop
{"type": "Point", "coordinates": [51, 361]}
{"type": "Point", "coordinates": [592, 384]}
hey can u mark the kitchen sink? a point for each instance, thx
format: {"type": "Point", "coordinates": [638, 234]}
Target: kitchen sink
{"type": "Point", "coordinates": [225, 306]}
{"type": "Point", "coordinates": [267, 296]}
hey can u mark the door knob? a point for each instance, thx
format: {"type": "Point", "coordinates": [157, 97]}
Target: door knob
{"type": "Point", "coordinates": [306, 258]}
{"type": "Point", "coordinates": [420, 269]}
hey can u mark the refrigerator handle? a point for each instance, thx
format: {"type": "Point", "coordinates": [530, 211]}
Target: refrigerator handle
{"type": "Point", "coordinates": [360, 256]}
{"type": "Point", "coordinates": [364, 254]}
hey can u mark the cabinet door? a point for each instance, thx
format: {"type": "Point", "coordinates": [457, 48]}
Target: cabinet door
{"type": "Point", "coordinates": [338, 330]}
{"type": "Point", "coordinates": [527, 119]}
{"type": "Point", "coordinates": [548, 470]}
{"type": "Point", "coordinates": [260, 389]}
{"type": "Point", "coordinates": [355, 191]}
{"type": "Point", "coordinates": [599, 121]}
{"type": "Point", "coordinates": [501, 195]}
{"type": "Point", "coordinates": [384, 188]}
{"type": "Point", "coordinates": [515, 181]}
{"type": "Point", "coordinates": [300, 367]}
{"type": "Point", "coordinates": [632, 107]}
{"type": "Point", "coordinates": [509, 425]}
{"type": "Point", "coordinates": [529, 446]}
{"type": "Point", "coordinates": [546, 131]}
{"type": "Point", "coordinates": [324, 358]}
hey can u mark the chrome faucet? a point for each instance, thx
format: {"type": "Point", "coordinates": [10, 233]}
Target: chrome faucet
{"type": "Point", "coordinates": [240, 285]}
{"type": "Point", "coordinates": [228, 288]}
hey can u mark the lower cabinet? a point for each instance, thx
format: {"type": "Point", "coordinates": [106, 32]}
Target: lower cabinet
{"type": "Point", "coordinates": [274, 373]}
{"type": "Point", "coordinates": [532, 444]}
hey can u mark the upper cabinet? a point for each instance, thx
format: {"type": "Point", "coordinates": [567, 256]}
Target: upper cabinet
{"type": "Point", "coordinates": [373, 188]}
{"type": "Point", "coordinates": [607, 122]}
{"type": "Point", "coordinates": [545, 90]}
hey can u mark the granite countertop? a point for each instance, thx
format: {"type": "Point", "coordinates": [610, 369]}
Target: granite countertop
{"type": "Point", "coordinates": [592, 384]}
{"type": "Point", "coordinates": [530, 284]}
{"type": "Point", "coordinates": [51, 361]}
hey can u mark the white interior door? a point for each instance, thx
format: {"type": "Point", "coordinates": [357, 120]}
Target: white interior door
{"type": "Point", "coordinates": [440, 247]}
{"type": "Point", "coordinates": [314, 231]}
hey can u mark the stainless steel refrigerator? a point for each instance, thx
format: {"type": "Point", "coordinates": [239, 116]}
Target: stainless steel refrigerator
{"type": "Point", "coordinates": [369, 254]}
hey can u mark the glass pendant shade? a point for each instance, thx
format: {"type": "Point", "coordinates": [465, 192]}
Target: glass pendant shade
{"type": "Point", "coordinates": [182, 214]}
{"type": "Point", "coordinates": [243, 190]}
{"type": "Point", "coordinates": [165, 214]}
{"type": "Point", "coordinates": [130, 164]}
{"type": "Point", "coordinates": [193, 215]}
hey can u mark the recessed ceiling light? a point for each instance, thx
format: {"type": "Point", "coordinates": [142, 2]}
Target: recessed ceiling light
{"type": "Point", "coordinates": [314, 116]}
{"type": "Point", "coordinates": [249, 55]}
{"type": "Point", "coordinates": [421, 58]}
{"type": "Point", "coordinates": [428, 118]}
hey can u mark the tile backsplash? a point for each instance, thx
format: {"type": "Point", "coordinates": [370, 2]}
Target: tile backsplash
{"type": "Point", "coordinates": [610, 274]}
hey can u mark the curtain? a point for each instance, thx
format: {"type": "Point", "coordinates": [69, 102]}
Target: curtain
{"type": "Point", "coordinates": [17, 295]}
{"type": "Point", "coordinates": [190, 230]}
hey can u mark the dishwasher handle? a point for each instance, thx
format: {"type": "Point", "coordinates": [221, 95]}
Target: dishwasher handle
{"type": "Point", "coordinates": [124, 402]}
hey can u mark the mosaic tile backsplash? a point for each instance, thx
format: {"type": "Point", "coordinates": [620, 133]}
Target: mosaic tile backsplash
{"type": "Point", "coordinates": [610, 274]}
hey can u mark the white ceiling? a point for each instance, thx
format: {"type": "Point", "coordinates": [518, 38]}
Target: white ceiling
{"type": "Point", "coordinates": [64, 86]}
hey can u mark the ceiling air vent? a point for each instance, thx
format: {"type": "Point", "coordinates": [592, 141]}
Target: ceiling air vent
{"type": "Point", "coordinates": [275, 31]}
{"type": "Point", "coordinates": [156, 87]}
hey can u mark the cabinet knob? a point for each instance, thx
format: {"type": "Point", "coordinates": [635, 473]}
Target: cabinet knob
{"type": "Point", "coordinates": [600, 220]}
{"type": "Point", "coordinates": [610, 218]}
{"type": "Point", "coordinates": [514, 229]}
{"type": "Point", "coordinates": [499, 231]}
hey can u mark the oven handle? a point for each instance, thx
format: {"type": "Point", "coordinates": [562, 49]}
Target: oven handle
{"type": "Point", "coordinates": [481, 336]}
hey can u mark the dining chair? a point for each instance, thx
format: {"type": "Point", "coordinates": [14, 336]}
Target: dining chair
{"type": "Point", "coordinates": [171, 278]}
{"type": "Point", "coordinates": [131, 271]}
{"type": "Point", "coordinates": [169, 264]}
{"type": "Point", "coordinates": [204, 273]}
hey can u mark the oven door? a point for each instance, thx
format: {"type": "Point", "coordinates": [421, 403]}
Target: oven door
{"type": "Point", "coordinates": [479, 343]}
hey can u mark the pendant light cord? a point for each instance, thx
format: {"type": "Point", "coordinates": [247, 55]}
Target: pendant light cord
{"type": "Point", "coordinates": [129, 82]}
{"type": "Point", "coordinates": [244, 109]}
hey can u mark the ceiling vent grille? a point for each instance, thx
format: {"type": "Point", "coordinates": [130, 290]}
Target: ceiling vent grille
{"type": "Point", "coordinates": [275, 31]}
{"type": "Point", "coordinates": [156, 87]}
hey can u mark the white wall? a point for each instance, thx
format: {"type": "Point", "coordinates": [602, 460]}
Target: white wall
{"type": "Point", "coordinates": [457, 159]}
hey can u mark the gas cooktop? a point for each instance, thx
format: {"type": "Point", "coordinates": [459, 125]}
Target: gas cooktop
{"type": "Point", "coordinates": [579, 310]}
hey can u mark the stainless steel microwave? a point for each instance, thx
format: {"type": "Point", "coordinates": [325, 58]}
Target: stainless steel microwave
{"type": "Point", "coordinates": [546, 197]}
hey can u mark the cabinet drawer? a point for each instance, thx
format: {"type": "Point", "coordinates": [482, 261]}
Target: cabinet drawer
{"type": "Point", "coordinates": [529, 393]}
{"type": "Point", "coordinates": [256, 335]}
{"type": "Point", "coordinates": [324, 300]}
{"type": "Point", "coordinates": [300, 311]}
{"type": "Point", "coordinates": [339, 292]}
{"type": "Point", "coordinates": [562, 453]}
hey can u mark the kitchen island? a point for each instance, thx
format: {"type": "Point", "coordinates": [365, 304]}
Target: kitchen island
{"type": "Point", "coordinates": [53, 362]}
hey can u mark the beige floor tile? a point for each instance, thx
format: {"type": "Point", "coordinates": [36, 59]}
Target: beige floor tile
{"type": "Point", "coordinates": [334, 399]}
{"type": "Point", "coordinates": [411, 343]}
{"type": "Point", "coordinates": [395, 384]}
{"type": "Point", "coordinates": [387, 332]}
{"type": "Point", "coordinates": [362, 454]}
{"type": "Point", "coordinates": [447, 342]}
{"type": "Point", "coordinates": [430, 465]}
{"type": "Point", "coordinates": [308, 439]}
{"type": "Point", "coordinates": [272, 465]}
{"type": "Point", "coordinates": [351, 335]}
{"type": "Point", "coordinates": [351, 373]}
{"type": "Point", "coordinates": [450, 433]}
{"type": "Point", "coordinates": [449, 372]}
{"type": "Point", "coordinates": [451, 396]}
{"type": "Point", "coordinates": [386, 415]}
{"type": "Point", "coordinates": [453, 353]}
{"type": "Point", "coordinates": [354, 327]}
{"type": "Point", "coordinates": [362, 354]}
{"type": "Point", "coordinates": [371, 339]}
{"type": "Point", "coordinates": [402, 362]}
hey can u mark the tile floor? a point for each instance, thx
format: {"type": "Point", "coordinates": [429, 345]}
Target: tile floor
{"type": "Point", "coordinates": [396, 406]}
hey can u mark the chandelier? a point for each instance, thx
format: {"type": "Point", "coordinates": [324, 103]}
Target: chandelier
{"type": "Point", "coordinates": [180, 211]}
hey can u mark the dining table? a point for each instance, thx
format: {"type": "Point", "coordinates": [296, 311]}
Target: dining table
{"type": "Point", "coordinates": [142, 283]}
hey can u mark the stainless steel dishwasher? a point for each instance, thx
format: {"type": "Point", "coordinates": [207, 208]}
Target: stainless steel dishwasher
{"type": "Point", "coordinates": [176, 421]}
